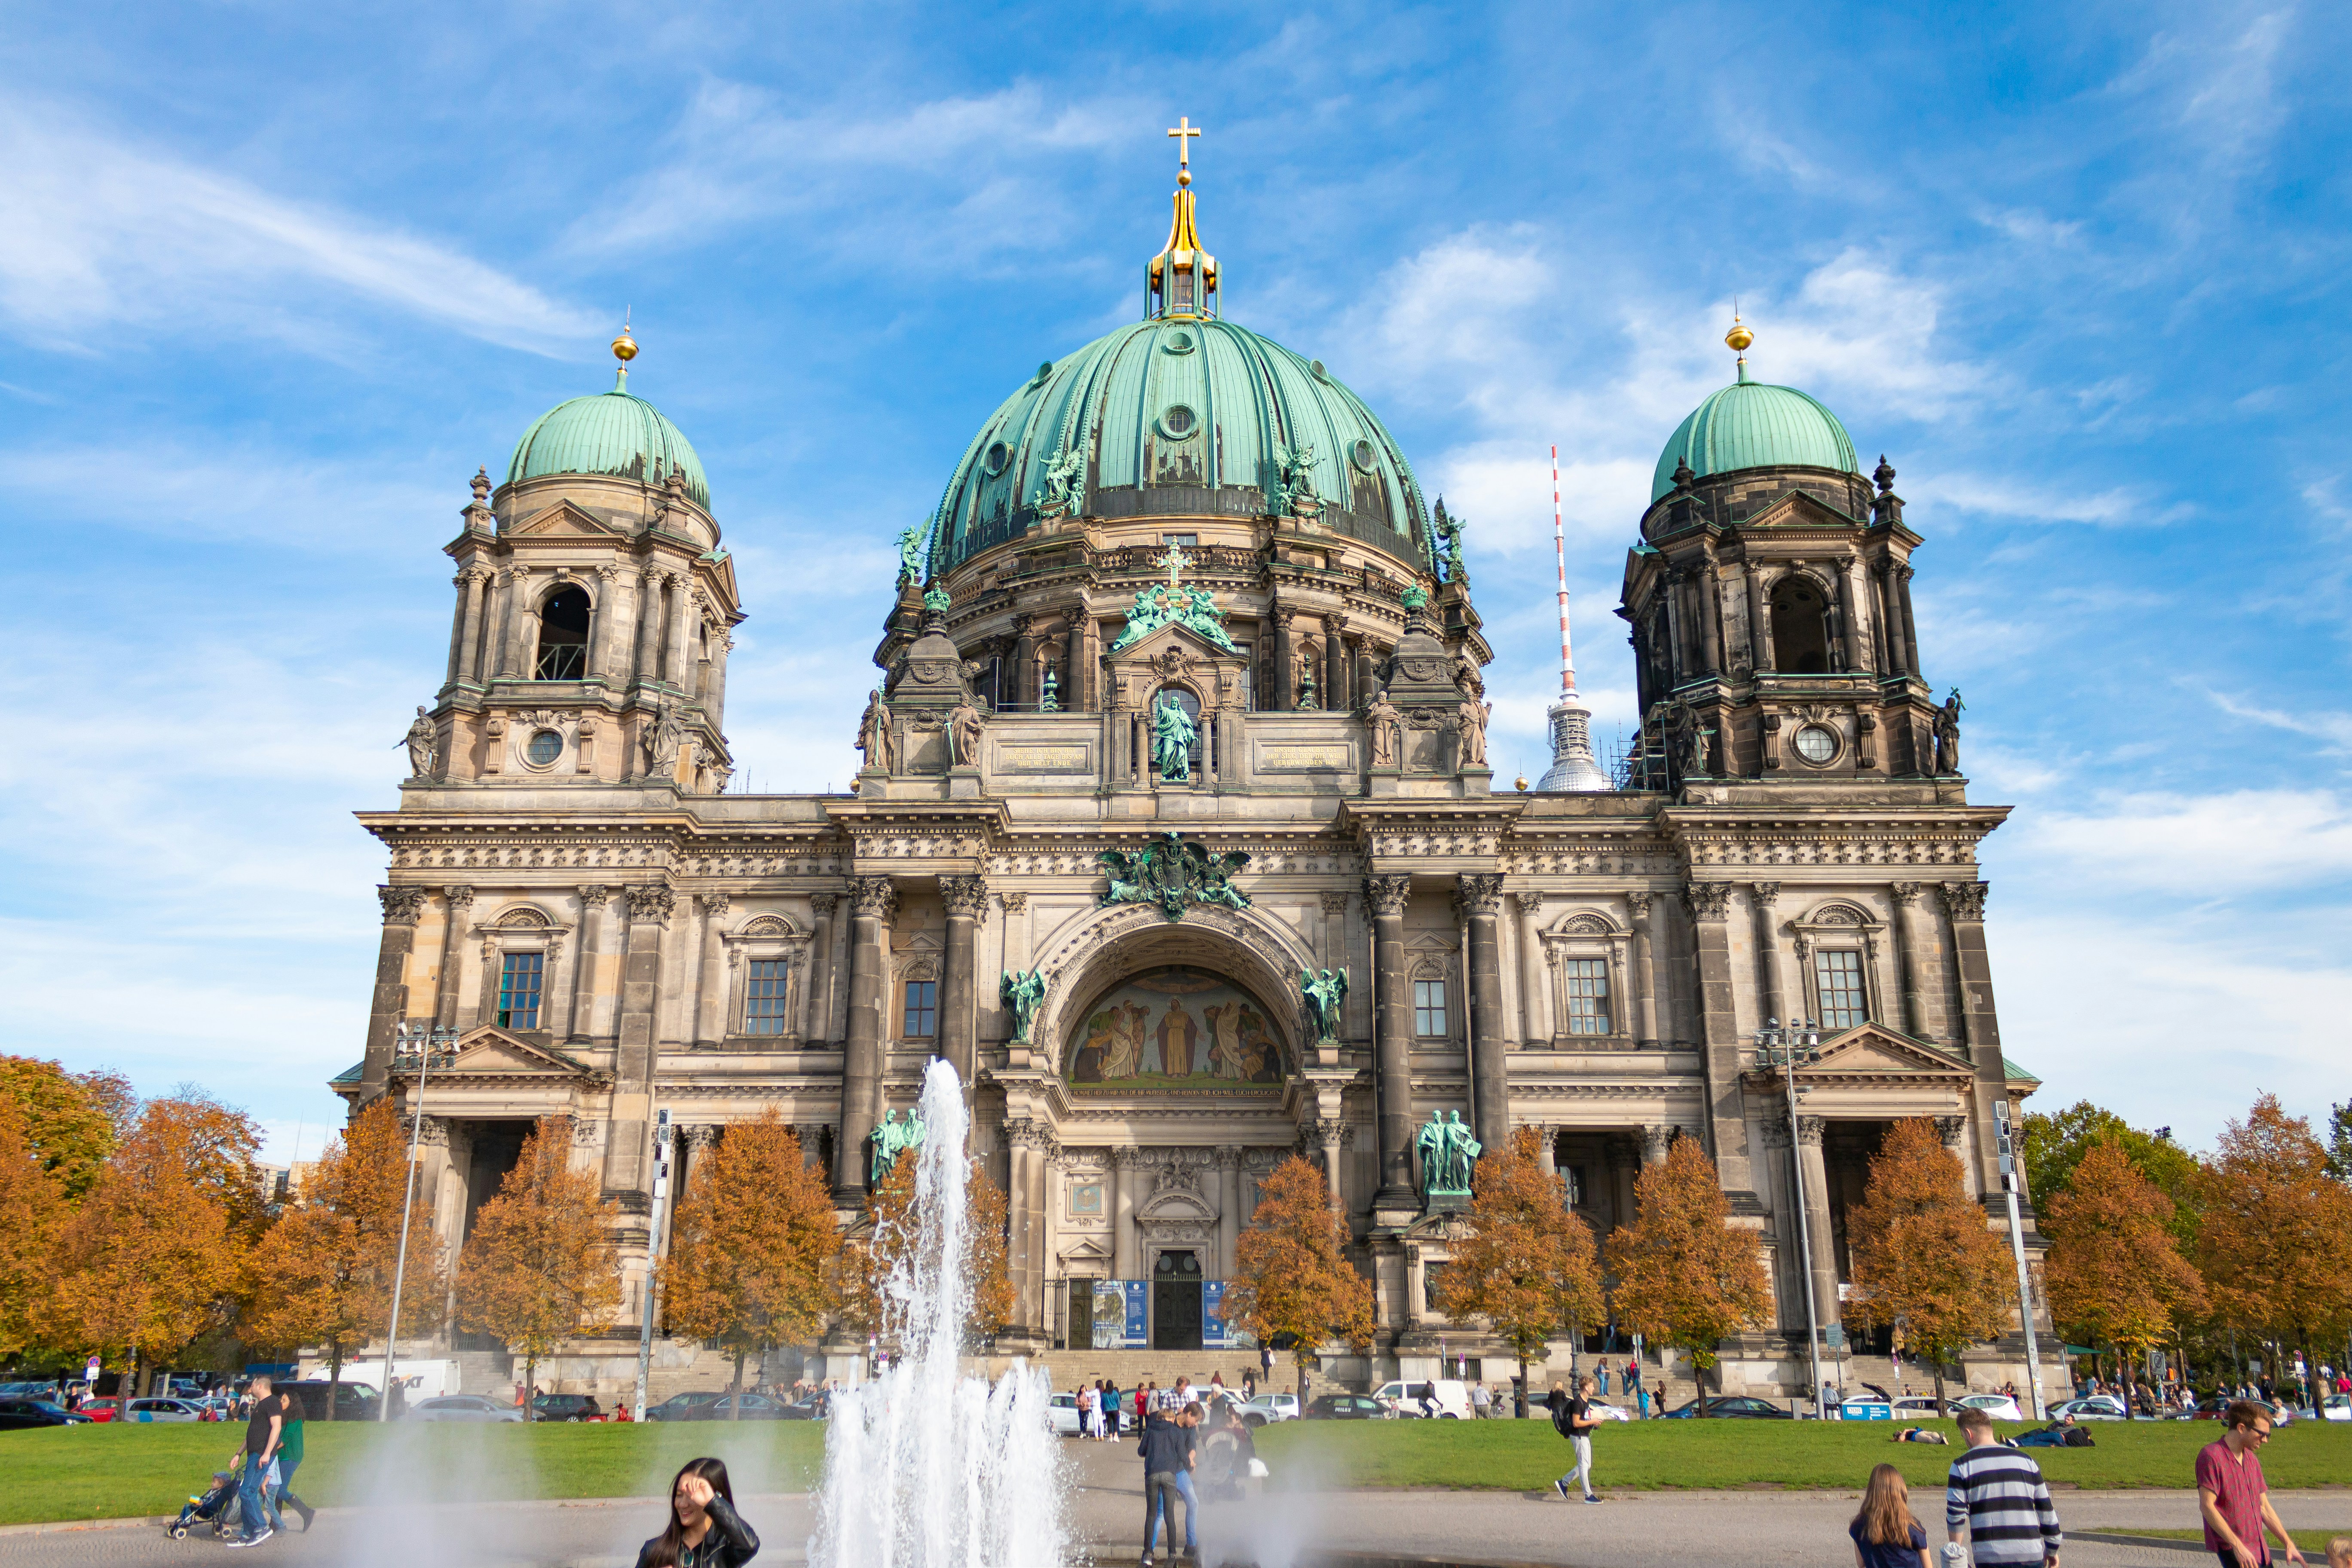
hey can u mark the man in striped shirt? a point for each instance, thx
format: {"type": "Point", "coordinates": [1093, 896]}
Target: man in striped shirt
{"type": "Point", "coordinates": [1998, 1495]}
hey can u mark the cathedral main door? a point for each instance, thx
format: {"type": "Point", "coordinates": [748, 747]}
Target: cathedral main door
{"type": "Point", "coordinates": [1176, 1302]}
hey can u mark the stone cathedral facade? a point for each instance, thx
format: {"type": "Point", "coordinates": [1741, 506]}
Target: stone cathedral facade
{"type": "Point", "coordinates": [1179, 701]}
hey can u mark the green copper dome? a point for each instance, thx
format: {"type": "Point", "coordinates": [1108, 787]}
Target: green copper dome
{"type": "Point", "coordinates": [1179, 415]}
{"type": "Point", "coordinates": [1749, 424]}
{"type": "Point", "coordinates": [612, 434]}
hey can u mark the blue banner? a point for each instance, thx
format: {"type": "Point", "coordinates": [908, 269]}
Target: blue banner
{"type": "Point", "coordinates": [1138, 1331]}
{"type": "Point", "coordinates": [1213, 1313]}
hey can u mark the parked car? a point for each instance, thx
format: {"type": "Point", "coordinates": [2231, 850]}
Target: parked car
{"type": "Point", "coordinates": [566, 1407]}
{"type": "Point", "coordinates": [1451, 1396]}
{"type": "Point", "coordinates": [1347, 1408]}
{"type": "Point", "coordinates": [105, 1409]}
{"type": "Point", "coordinates": [353, 1401]}
{"type": "Point", "coordinates": [2000, 1406]}
{"type": "Point", "coordinates": [2212, 1408]}
{"type": "Point", "coordinates": [756, 1407]}
{"type": "Point", "coordinates": [2095, 1407]}
{"type": "Point", "coordinates": [26, 1414]}
{"type": "Point", "coordinates": [1063, 1412]}
{"type": "Point", "coordinates": [807, 1407]}
{"type": "Point", "coordinates": [472, 1407]}
{"type": "Point", "coordinates": [145, 1412]}
{"type": "Point", "coordinates": [1268, 1407]}
{"type": "Point", "coordinates": [1916, 1407]}
{"type": "Point", "coordinates": [1735, 1407]}
{"type": "Point", "coordinates": [681, 1406]}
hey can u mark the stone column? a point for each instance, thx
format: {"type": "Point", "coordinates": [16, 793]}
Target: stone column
{"type": "Point", "coordinates": [1645, 979]}
{"type": "Point", "coordinates": [458, 625]}
{"type": "Point", "coordinates": [469, 645]}
{"type": "Point", "coordinates": [1548, 1150]}
{"type": "Point", "coordinates": [1726, 1125]}
{"type": "Point", "coordinates": [1890, 610]}
{"type": "Point", "coordinates": [1814, 1174]}
{"type": "Point", "coordinates": [644, 660]}
{"type": "Point", "coordinates": [1759, 631]}
{"type": "Point", "coordinates": [1535, 1007]}
{"type": "Point", "coordinates": [1122, 1213]}
{"type": "Point", "coordinates": [1478, 898]}
{"type": "Point", "coordinates": [1655, 1140]}
{"type": "Point", "coordinates": [1393, 1037]}
{"type": "Point", "coordinates": [458, 904]}
{"type": "Point", "coordinates": [816, 995]}
{"type": "Point", "coordinates": [1335, 665]}
{"type": "Point", "coordinates": [1360, 650]}
{"type": "Point", "coordinates": [1072, 695]}
{"type": "Point", "coordinates": [710, 1009]}
{"type": "Point", "coordinates": [679, 666]}
{"type": "Point", "coordinates": [1761, 896]}
{"type": "Point", "coordinates": [1285, 699]}
{"type": "Point", "coordinates": [1088, 676]}
{"type": "Point", "coordinates": [1980, 1025]}
{"type": "Point", "coordinates": [966, 899]}
{"type": "Point", "coordinates": [649, 905]}
{"type": "Point", "coordinates": [1229, 1208]}
{"type": "Point", "coordinates": [1910, 626]}
{"type": "Point", "coordinates": [514, 660]}
{"type": "Point", "coordinates": [606, 617]}
{"type": "Point", "coordinates": [389, 1007]}
{"type": "Point", "coordinates": [714, 700]}
{"type": "Point", "coordinates": [1907, 960]}
{"type": "Point", "coordinates": [1024, 652]}
{"type": "Point", "coordinates": [1041, 1164]}
{"type": "Point", "coordinates": [593, 902]}
{"type": "Point", "coordinates": [1333, 948]}
{"type": "Point", "coordinates": [1857, 656]}
{"type": "Point", "coordinates": [1330, 1134]}
{"type": "Point", "coordinates": [1020, 1216]}
{"type": "Point", "coordinates": [1710, 606]}
{"type": "Point", "coordinates": [1677, 627]}
{"type": "Point", "coordinates": [861, 1075]}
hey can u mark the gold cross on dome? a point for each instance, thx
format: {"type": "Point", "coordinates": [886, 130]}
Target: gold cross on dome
{"type": "Point", "coordinates": [1184, 131]}
{"type": "Point", "coordinates": [1175, 560]}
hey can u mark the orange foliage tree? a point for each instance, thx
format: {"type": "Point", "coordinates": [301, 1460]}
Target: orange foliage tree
{"type": "Point", "coordinates": [865, 1260]}
{"type": "Point", "coordinates": [30, 1210]}
{"type": "Point", "coordinates": [324, 1276]}
{"type": "Point", "coordinates": [2115, 1272]}
{"type": "Point", "coordinates": [2277, 1242]}
{"type": "Point", "coordinates": [1921, 1253]}
{"type": "Point", "coordinates": [749, 1251]}
{"type": "Point", "coordinates": [1291, 1273]}
{"type": "Point", "coordinates": [540, 1266]}
{"type": "Point", "coordinates": [1686, 1277]}
{"type": "Point", "coordinates": [149, 1263]}
{"type": "Point", "coordinates": [70, 1121]}
{"type": "Point", "coordinates": [1524, 1262]}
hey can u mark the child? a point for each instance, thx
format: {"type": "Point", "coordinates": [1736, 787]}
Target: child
{"type": "Point", "coordinates": [2339, 1551]}
{"type": "Point", "coordinates": [1885, 1533]}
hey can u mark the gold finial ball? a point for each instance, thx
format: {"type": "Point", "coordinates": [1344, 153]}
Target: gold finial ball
{"type": "Point", "coordinates": [1738, 338]}
{"type": "Point", "coordinates": [625, 347]}
{"type": "Point", "coordinates": [1184, 178]}
{"type": "Point", "coordinates": [1520, 784]}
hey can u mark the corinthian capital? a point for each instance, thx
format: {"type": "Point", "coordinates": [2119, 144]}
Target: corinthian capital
{"type": "Point", "coordinates": [650, 903]}
{"type": "Point", "coordinates": [1707, 901]}
{"type": "Point", "coordinates": [1965, 900]}
{"type": "Point", "coordinates": [1388, 895]}
{"type": "Point", "coordinates": [964, 895]}
{"type": "Point", "coordinates": [876, 898]}
{"type": "Point", "coordinates": [402, 906]}
{"type": "Point", "coordinates": [1478, 892]}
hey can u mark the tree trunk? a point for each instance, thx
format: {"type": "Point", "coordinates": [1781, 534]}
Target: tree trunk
{"type": "Point", "coordinates": [735, 1391]}
{"type": "Point", "coordinates": [138, 1368]}
{"type": "Point", "coordinates": [530, 1385]}
{"type": "Point", "coordinates": [1520, 1398]}
{"type": "Point", "coordinates": [1698, 1385]}
{"type": "Point", "coordinates": [334, 1374]}
{"type": "Point", "coordinates": [2126, 1383]}
{"type": "Point", "coordinates": [1939, 1365]}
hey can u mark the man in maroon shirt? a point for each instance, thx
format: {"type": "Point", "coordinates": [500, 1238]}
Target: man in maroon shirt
{"type": "Point", "coordinates": [2232, 1494]}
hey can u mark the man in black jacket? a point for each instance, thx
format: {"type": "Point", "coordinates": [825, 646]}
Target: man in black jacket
{"type": "Point", "coordinates": [1167, 1452]}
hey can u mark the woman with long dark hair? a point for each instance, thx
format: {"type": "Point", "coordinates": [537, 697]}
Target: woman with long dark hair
{"type": "Point", "coordinates": [705, 1530]}
{"type": "Point", "coordinates": [1884, 1534]}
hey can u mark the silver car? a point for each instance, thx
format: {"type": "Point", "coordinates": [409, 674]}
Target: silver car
{"type": "Point", "coordinates": [463, 1407]}
{"type": "Point", "coordinates": [145, 1411]}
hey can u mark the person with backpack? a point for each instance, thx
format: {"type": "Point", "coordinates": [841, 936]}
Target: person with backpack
{"type": "Point", "coordinates": [1997, 1495]}
{"type": "Point", "coordinates": [1574, 1420]}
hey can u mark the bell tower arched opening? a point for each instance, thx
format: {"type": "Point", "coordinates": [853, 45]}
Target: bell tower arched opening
{"type": "Point", "coordinates": [563, 636]}
{"type": "Point", "coordinates": [1801, 629]}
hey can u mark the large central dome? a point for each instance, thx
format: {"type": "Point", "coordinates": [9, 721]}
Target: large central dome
{"type": "Point", "coordinates": [1181, 415]}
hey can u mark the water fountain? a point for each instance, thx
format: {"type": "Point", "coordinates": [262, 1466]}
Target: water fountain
{"type": "Point", "coordinates": [925, 1467]}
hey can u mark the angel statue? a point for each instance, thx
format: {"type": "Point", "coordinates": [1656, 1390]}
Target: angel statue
{"type": "Point", "coordinates": [1172, 734]}
{"type": "Point", "coordinates": [1296, 465]}
{"type": "Point", "coordinates": [1449, 533]}
{"type": "Point", "coordinates": [910, 555]}
{"type": "Point", "coordinates": [1022, 993]}
{"type": "Point", "coordinates": [1064, 477]}
{"type": "Point", "coordinates": [1324, 994]}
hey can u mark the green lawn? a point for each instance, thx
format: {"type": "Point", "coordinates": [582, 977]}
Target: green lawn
{"type": "Point", "coordinates": [2313, 1542]}
{"type": "Point", "coordinates": [106, 1471]}
{"type": "Point", "coordinates": [1524, 1456]}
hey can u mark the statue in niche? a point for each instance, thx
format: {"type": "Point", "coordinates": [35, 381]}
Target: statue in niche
{"type": "Point", "coordinates": [423, 740]}
{"type": "Point", "coordinates": [1387, 726]}
{"type": "Point", "coordinates": [963, 735]}
{"type": "Point", "coordinates": [1324, 993]}
{"type": "Point", "coordinates": [1447, 1152]}
{"type": "Point", "coordinates": [1172, 734]}
{"type": "Point", "coordinates": [667, 735]}
{"type": "Point", "coordinates": [1050, 700]}
{"type": "Point", "coordinates": [1022, 992]}
{"type": "Point", "coordinates": [1466, 675]}
{"type": "Point", "coordinates": [873, 734]}
{"type": "Point", "coordinates": [1687, 740]}
{"type": "Point", "coordinates": [1475, 715]}
{"type": "Point", "coordinates": [899, 1131]}
{"type": "Point", "coordinates": [1947, 733]}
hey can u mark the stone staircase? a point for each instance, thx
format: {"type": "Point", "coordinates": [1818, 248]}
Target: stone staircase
{"type": "Point", "coordinates": [1126, 1369]}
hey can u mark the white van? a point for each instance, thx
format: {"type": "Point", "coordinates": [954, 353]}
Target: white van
{"type": "Point", "coordinates": [1451, 1396]}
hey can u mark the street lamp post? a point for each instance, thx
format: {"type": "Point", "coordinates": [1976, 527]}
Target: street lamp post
{"type": "Point", "coordinates": [2016, 1251]}
{"type": "Point", "coordinates": [1785, 1048]}
{"type": "Point", "coordinates": [652, 1248]}
{"type": "Point", "coordinates": [418, 1045]}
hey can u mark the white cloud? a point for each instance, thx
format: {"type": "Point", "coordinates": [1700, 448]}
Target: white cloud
{"type": "Point", "coordinates": [2120, 506]}
{"type": "Point", "coordinates": [188, 495]}
{"type": "Point", "coordinates": [95, 232]}
{"type": "Point", "coordinates": [2321, 724]}
{"type": "Point", "coordinates": [2199, 846]}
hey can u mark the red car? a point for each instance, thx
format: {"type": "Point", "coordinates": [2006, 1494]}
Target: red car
{"type": "Point", "coordinates": [100, 1409]}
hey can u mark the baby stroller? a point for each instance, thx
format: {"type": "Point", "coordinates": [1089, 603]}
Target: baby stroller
{"type": "Point", "coordinates": [217, 1506]}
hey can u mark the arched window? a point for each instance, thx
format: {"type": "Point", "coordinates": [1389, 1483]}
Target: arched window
{"type": "Point", "coordinates": [1800, 630]}
{"type": "Point", "coordinates": [564, 637]}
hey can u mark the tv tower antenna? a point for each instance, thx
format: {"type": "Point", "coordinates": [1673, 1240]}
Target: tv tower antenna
{"type": "Point", "coordinates": [1572, 768]}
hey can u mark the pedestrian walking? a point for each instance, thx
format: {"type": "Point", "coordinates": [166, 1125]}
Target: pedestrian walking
{"type": "Point", "coordinates": [705, 1530]}
{"type": "Point", "coordinates": [1600, 1380]}
{"type": "Point", "coordinates": [262, 1428]}
{"type": "Point", "coordinates": [1886, 1535]}
{"type": "Point", "coordinates": [1088, 1404]}
{"type": "Point", "coordinates": [1167, 1454]}
{"type": "Point", "coordinates": [2233, 1494]}
{"type": "Point", "coordinates": [1481, 1402]}
{"type": "Point", "coordinates": [1997, 1495]}
{"type": "Point", "coordinates": [289, 1460]}
{"type": "Point", "coordinates": [1574, 1420]}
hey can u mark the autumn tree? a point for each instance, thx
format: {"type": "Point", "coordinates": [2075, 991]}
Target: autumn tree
{"type": "Point", "coordinates": [325, 1275]}
{"type": "Point", "coordinates": [540, 1266]}
{"type": "Point", "coordinates": [1686, 1277]}
{"type": "Point", "coordinates": [2054, 1143]}
{"type": "Point", "coordinates": [2275, 1244]}
{"type": "Point", "coordinates": [1523, 1262]}
{"type": "Point", "coordinates": [749, 1251]}
{"type": "Point", "coordinates": [2340, 1140]}
{"type": "Point", "coordinates": [70, 1121]}
{"type": "Point", "coordinates": [2115, 1272]}
{"type": "Point", "coordinates": [1291, 1273]}
{"type": "Point", "coordinates": [30, 1207]}
{"type": "Point", "coordinates": [1921, 1253]}
{"type": "Point", "coordinates": [150, 1262]}
{"type": "Point", "coordinates": [867, 1258]}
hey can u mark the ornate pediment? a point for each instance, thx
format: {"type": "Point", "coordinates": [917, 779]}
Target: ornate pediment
{"type": "Point", "coordinates": [1873, 1050]}
{"type": "Point", "coordinates": [565, 521]}
{"type": "Point", "coordinates": [1799, 509]}
{"type": "Point", "coordinates": [492, 1052]}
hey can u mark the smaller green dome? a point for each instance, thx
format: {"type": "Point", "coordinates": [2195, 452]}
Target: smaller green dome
{"type": "Point", "coordinates": [1749, 424]}
{"type": "Point", "coordinates": [613, 434]}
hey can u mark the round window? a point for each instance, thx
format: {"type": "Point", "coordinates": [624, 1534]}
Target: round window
{"type": "Point", "coordinates": [1816, 744]}
{"type": "Point", "coordinates": [1178, 422]}
{"type": "Point", "coordinates": [544, 748]}
{"type": "Point", "coordinates": [996, 456]}
{"type": "Point", "coordinates": [1179, 342]}
{"type": "Point", "coordinates": [1364, 456]}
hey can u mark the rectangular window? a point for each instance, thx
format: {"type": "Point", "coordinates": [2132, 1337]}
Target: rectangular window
{"type": "Point", "coordinates": [922, 1010]}
{"type": "Point", "coordinates": [1838, 975]}
{"type": "Point", "coordinates": [519, 990]}
{"type": "Point", "coordinates": [764, 996]}
{"type": "Point", "coordinates": [1587, 980]}
{"type": "Point", "coordinates": [1428, 1009]}
{"type": "Point", "coordinates": [1181, 540]}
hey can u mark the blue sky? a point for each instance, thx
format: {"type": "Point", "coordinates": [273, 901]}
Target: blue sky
{"type": "Point", "coordinates": [274, 281]}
